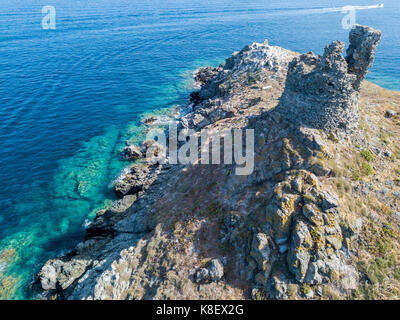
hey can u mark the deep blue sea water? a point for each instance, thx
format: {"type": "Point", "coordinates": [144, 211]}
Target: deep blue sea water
{"type": "Point", "coordinates": [71, 97]}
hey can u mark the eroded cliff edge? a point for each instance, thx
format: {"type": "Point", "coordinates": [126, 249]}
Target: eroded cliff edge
{"type": "Point", "coordinates": [317, 219]}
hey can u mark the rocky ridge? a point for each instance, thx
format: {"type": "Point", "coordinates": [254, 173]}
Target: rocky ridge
{"type": "Point", "coordinates": [303, 225]}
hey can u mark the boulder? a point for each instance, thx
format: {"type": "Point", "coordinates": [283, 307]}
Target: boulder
{"type": "Point", "coordinates": [203, 75]}
{"type": "Point", "coordinates": [132, 152]}
{"type": "Point", "coordinates": [299, 255]}
{"type": "Point", "coordinates": [261, 251]}
{"type": "Point", "coordinates": [327, 200]}
{"type": "Point", "coordinates": [279, 284]}
{"type": "Point", "coordinates": [60, 273]}
{"type": "Point", "coordinates": [123, 204]}
{"type": "Point", "coordinates": [138, 178]}
{"type": "Point", "coordinates": [152, 150]}
{"type": "Point", "coordinates": [216, 270]}
{"type": "Point", "coordinates": [390, 113]}
{"type": "Point", "coordinates": [202, 275]}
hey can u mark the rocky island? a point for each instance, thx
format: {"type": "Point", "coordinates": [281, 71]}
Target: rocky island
{"type": "Point", "coordinates": [318, 218]}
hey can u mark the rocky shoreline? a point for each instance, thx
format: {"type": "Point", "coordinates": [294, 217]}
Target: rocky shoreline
{"type": "Point", "coordinates": [293, 229]}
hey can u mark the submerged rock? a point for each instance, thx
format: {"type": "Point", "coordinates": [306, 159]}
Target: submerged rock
{"type": "Point", "coordinates": [148, 121]}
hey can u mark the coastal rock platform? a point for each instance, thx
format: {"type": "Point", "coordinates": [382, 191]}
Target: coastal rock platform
{"type": "Point", "coordinates": [316, 219]}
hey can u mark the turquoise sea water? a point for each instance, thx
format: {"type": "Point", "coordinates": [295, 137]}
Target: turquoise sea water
{"type": "Point", "coordinates": [71, 97]}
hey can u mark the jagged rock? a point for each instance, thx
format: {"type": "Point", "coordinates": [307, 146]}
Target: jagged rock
{"type": "Point", "coordinates": [198, 121]}
{"type": "Point", "coordinates": [132, 152]}
{"type": "Point", "coordinates": [279, 213]}
{"type": "Point", "coordinates": [361, 52]}
{"type": "Point", "coordinates": [59, 273]}
{"type": "Point", "coordinates": [202, 275]}
{"type": "Point", "coordinates": [102, 225]}
{"type": "Point", "coordinates": [322, 92]}
{"type": "Point", "coordinates": [390, 113]}
{"type": "Point", "coordinates": [279, 287]}
{"type": "Point", "coordinates": [246, 63]}
{"type": "Point", "coordinates": [152, 150]}
{"type": "Point", "coordinates": [203, 75]}
{"type": "Point", "coordinates": [320, 170]}
{"type": "Point", "coordinates": [261, 252]}
{"type": "Point", "coordinates": [313, 276]}
{"type": "Point", "coordinates": [139, 178]}
{"type": "Point", "coordinates": [313, 254]}
{"type": "Point", "coordinates": [132, 182]}
{"type": "Point", "coordinates": [313, 214]}
{"type": "Point", "coordinates": [123, 204]}
{"type": "Point", "coordinates": [309, 294]}
{"type": "Point", "coordinates": [324, 270]}
{"type": "Point", "coordinates": [327, 200]}
{"type": "Point", "coordinates": [297, 185]}
{"type": "Point", "coordinates": [299, 251]}
{"type": "Point", "coordinates": [48, 277]}
{"type": "Point", "coordinates": [216, 270]}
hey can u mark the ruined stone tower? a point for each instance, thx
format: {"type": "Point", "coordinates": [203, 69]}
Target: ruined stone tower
{"type": "Point", "coordinates": [322, 92]}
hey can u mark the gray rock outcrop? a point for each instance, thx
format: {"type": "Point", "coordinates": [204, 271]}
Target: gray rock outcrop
{"type": "Point", "coordinates": [138, 178]}
{"type": "Point", "coordinates": [203, 75]}
{"type": "Point", "coordinates": [214, 272]}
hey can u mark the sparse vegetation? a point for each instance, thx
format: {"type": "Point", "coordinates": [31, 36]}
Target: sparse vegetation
{"type": "Point", "coordinates": [261, 294]}
{"type": "Point", "coordinates": [367, 155]}
{"type": "Point", "coordinates": [305, 289]}
{"type": "Point", "coordinates": [333, 138]}
{"type": "Point", "coordinates": [356, 176]}
{"type": "Point", "coordinates": [366, 169]}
